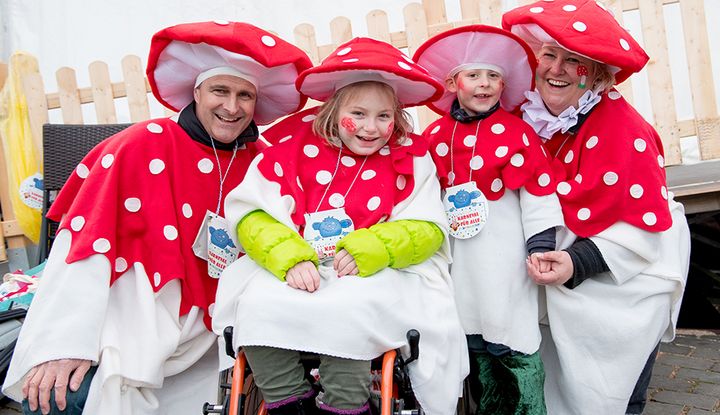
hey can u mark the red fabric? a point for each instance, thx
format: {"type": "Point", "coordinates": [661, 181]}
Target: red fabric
{"type": "Point", "coordinates": [173, 202]}
{"type": "Point", "coordinates": [300, 155]}
{"type": "Point", "coordinates": [584, 27]}
{"type": "Point", "coordinates": [613, 168]}
{"type": "Point", "coordinates": [502, 136]}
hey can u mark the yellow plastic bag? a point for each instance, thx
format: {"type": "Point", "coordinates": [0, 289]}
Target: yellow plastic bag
{"type": "Point", "coordinates": [21, 155]}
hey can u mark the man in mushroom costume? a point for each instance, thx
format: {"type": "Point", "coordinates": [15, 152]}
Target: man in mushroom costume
{"type": "Point", "coordinates": [614, 291]}
{"type": "Point", "coordinates": [382, 180]}
{"type": "Point", "coordinates": [481, 148]}
{"type": "Point", "coordinates": [124, 308]}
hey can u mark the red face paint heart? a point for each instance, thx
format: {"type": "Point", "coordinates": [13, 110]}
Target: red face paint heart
{"type": "Point", "coordinates": [390, 129]}
{"type": "Point", "coordinates": [348, 124]}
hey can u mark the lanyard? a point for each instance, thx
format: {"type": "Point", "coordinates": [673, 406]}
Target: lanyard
{"type": "Point", "coordinates": [451, 176]}
{"type": "Point", "coordinates": [222, 176]}
{"type": "Point", "coordinates": [337, 167]}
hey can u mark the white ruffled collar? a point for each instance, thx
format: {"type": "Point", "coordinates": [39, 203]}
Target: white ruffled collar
{"type": "Point", "coordinates": [544, 123]}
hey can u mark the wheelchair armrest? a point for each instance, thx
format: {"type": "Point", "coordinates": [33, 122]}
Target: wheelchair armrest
{"type": "Point", "coordinates": [413, 337]}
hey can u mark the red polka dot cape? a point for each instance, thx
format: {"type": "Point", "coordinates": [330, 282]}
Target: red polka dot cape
{"type": "Point", "coordinates": [302, 163]}
{"type": "Point", "coordinates": [140, 197]}
{"type": "Point", "coordinates": [508, 154]}
{"type": "Point", "coordinates": [611, 171]}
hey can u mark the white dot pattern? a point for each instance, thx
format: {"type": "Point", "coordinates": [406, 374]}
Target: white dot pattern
{"type": "Point", "coordinates": [661, 161]}
{"type": "Point", "coordinates": [170, 232]}
{"type": "Point", "coordinates": [407, 142]}
{"type": "Point", "coordinates": [284, 139]}
{"type": "Point", "coordinates": [368, 174]}
{"type": "Point", "coordinates": [583, 214]}
{"type": "Point", "coordinates": [344, 51]}
{"type": "Point", "coordinates": [664, 192]}
{"type": "Point", "coordinates": [82, 171]}
{"type": "Point", "coordinates": [401, 182]}
{"type": "Point", "coordinates": [120, 264]}
{"type": "Point", "coordinates": [157, 279]}
{"type": "Point", "coordinates": [470, 141]}
{"type": "Point", "coordinates": [373, 203]}
{"type": "Point", "coordinates": [205, 165]}
{"type": "Point", "coordinates": [496, 185]}
{"type": "Point", "coordinates": [544, 180]}
{"type": "Point", "coordinates": [308, 118]}
{"type": "Point", "coordinates": [624, 44]}
{"type": "Point", "coordinates": [107, 160]}
{"type": "Point", "coordinates": [435, 129]}
{"type": "Point", "coordinates": [351, 60]}
{"type": "Point", "coordinates": [384, 151]}
{"type": "Point", "coordinates": [336, 200]}
{"type": "Point", "coordinates": [187, 210]}
{"type": "Point", "coordinates": [613, 95]}
{"type": "Point", "coordinates": [536, 10]}
{"type": "Point", "coordinates": [404, 65]}
{"type": "Point", "coordinates": [579, 178]}
{"type": "Point", "coordinates": [497, 128]}
{"type": "Point", "coordinates": [156, 166]}
{"type": "Point", "coordinates": [517, 160]}
{"type": "Point", "coordinates": [154, 128]}
{"type": "Point", "coordinates": [311, 150]}
{"type": "Point", "coordinates": [77, 223]}
{"type": "Point", "coordinates": [211, 309]}
{"type": "Point", "coordinates": [636, 191]}
{"type": "Point", "coordinates": [591, 142]}
{"type": "Point", "coordinates": [564, 188]}
{"type": "Point", "coordinates": [501, 151]}
{"type": "Point", "coordinates": [579, 26]}
{"type": "Point", "coordinates": [132, 204]}
{"type": "Point", "coordinates": [323, 177]}
{"type": "Point", "coordinates": [525, 140]}
{"type": "Point", "coordinates": [649, 218]}
{"type": "Point", "coordinates": [640, 145]}
{"type": "Point", "coordinates": [101, 245]}
{"type": "Point", "coordinates": [278, 169]}
{"type": "Point", "coordinates": [476, 163]}
{"type": "Point", "coordinates": [442, 149]}
{"type": "Point", "coordinates": [610, 178]}
{"type": "Point", "coordinates": [569, 157]}
{"type": "Point", "coordinates": [348, 161]}
{"type": "Point", "coordinates": [569, 8]}
{"type": "Point", "coordinates": [268, 41]}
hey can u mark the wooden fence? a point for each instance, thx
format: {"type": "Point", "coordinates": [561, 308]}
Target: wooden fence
{"type": "Point", "coordinates": [421, 20]}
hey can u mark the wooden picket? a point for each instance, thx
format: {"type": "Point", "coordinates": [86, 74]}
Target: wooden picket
{"type": "Point", "coordinates": [422, 20]}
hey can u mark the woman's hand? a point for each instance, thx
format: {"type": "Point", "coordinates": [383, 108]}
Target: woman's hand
{"type": "Point", "coordinates": [53, 375]}
{"type": "Point", "coordinates": [303, 276]}
{"type": "Point", "coordinates": [550, 268]}
{"type": "Point", "coordinates": [344, 264]}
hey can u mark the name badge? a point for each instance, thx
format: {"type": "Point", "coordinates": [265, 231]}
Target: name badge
{"type": "Point", "coordinates": [215, 244]}
{"type": "Point", "coordinates": [324, 229]}
{"type": "Point", "coordinates": [467, 210]}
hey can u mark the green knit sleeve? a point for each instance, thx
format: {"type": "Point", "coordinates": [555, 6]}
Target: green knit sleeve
{"type": "Point", "coordinates": [395, 244]}
{"type": "Point", "coordinates": [273, 245]}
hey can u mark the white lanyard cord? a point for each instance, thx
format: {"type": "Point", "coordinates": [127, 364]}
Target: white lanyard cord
{"type": "Point", "coordinates": [337, 166]}
{"type": "Point", "coordinates": [222, 176]}
{"type": "Point", "coordinates": [452, 158]}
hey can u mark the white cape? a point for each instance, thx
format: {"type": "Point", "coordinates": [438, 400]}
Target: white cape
{"type": "Point", "coordinates": [602, 332]}
{"type": "Point", "coordinates": [352, 317]}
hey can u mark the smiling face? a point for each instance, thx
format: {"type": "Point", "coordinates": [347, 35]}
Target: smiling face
{"type": "Point", "coordinates": [563, 77]}
{"type": "Point", "coordinates": [225, 106]}
{"type": "Point", "coordinates": [477, 89]}
{"type": "Point", "coordinates": [366, 120]}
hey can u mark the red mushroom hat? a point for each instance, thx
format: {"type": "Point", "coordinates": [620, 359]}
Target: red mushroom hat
{"type": "Point", "coordinates": [584, 27]}
{"type": "Point", "coordinates": [479, 47]}
{"type": "Point", "coordinates": [365, 59]}
{"type": "Point", "coordinates": [178, 54]}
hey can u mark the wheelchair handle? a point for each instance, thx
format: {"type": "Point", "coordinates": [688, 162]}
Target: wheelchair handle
{"type": "Point", "coordinates": [413, 338]}
{"type": "Point", "coordinates": [228, 336]}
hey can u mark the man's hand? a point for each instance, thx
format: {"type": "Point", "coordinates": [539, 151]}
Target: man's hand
{"type": "Point", "coordinates": [57, 375]}
{"type": "Point", "coordinates": [550, 268]}
{"type": "Point", "coordinates": [303, 276]}
{"type": "Point", "coordinates": [344, 264]}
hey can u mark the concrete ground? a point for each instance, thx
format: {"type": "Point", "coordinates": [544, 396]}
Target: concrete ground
{"type": "Point", "coordinates": [685, 381]}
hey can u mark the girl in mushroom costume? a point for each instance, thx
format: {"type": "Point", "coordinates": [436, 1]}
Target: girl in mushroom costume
{"type": "Point", "coordinates": [481, 149]}
{"type": "Point", "coordinates": [348, 177]}
{"type": "Point", "coordinates": [614, 292]}
{"type": "Point", "coordinates": [123, 287]}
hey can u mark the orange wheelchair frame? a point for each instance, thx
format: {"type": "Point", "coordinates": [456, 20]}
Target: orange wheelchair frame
{"type": "Point", "coordinates": [395, 390]}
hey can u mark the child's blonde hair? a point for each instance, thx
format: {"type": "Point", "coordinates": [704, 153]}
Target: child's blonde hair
{"type": "Point", "coordinates": [326, 124]}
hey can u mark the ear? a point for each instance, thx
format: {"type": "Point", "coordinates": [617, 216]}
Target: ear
{"type": "Point", "coordinates": [196, 93]}
{"type": "Point", "coordinates": [450, 85]}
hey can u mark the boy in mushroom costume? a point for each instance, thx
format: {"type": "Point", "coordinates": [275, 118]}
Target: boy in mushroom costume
{"type": "Point", "coordinates": [355, 160]}
{"type": "Point", "coordinates": [125, 293]}
{"type": "Point", "coordinates": [481, 149]}
{"type": "Point", "coordinates": [614, 291]}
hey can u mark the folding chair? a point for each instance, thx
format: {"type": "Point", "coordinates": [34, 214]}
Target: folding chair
{"type": "Point", "coordinates": [64, 146]}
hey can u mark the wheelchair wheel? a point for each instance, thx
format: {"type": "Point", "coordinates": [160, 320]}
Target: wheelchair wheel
{"type": "Point", "coordinates": [238, 393]}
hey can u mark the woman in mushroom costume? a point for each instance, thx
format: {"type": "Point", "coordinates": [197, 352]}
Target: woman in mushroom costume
{"type": "Point", "coordinates": [123, 289]}
{"type": "Point", "coordinates": [351, 178]}
{"type": "Point", "coordinates": [614, 291]}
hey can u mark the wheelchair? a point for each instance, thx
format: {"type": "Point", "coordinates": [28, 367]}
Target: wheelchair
{"type": "Point", "coordinates": [238, 394]}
